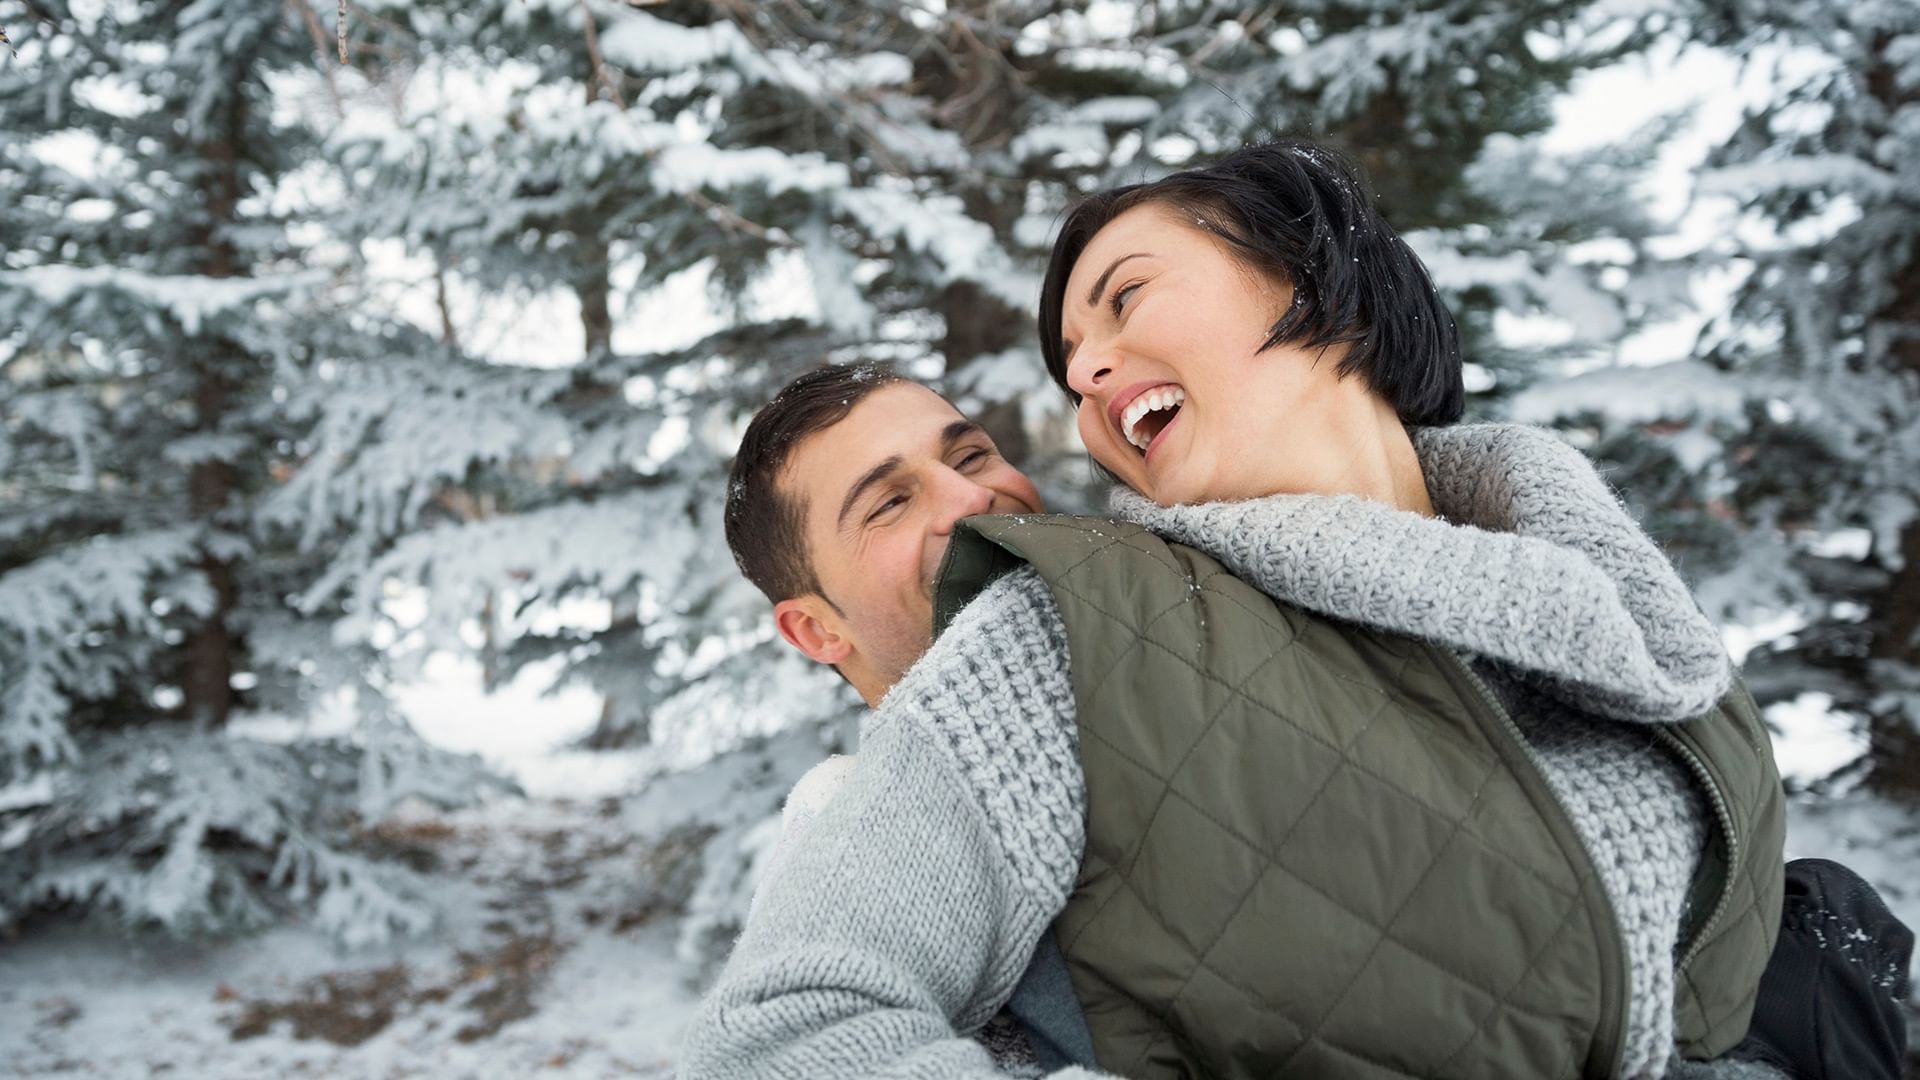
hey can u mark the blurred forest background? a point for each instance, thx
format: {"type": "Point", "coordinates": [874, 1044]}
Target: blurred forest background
{"type": "Point", "coordinates": [356, 373]}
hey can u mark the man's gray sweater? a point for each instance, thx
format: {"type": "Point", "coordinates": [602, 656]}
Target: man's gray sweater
{"type": "Point", "coordinates": [901, 919]}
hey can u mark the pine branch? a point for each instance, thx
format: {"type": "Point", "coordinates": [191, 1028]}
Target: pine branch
{"type": "Point", "coordinates": [602, 74]}
{"type": "Point", "coordinates": [728, 218]}
{"type": "Point", "coordinates": [319, 35]}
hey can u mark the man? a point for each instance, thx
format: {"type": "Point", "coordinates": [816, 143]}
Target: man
{"type": "Point", "coordinates": [842, 508]}
{"type": "Point", "coordinates": [841, 505]}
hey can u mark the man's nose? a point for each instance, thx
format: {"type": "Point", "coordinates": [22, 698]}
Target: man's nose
{"type": "Point", "coordinates": [960, 497]}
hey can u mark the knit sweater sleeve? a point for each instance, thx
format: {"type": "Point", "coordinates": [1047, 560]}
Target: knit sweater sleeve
{"type": "Point", "coordinates": [901, 917]}
{"type": "Point", "coordinates": [1600, 611]}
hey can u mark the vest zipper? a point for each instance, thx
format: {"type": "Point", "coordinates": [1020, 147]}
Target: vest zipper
{"type": "Point", "coordinates": [1613, 970]}
{"type": "Point", "coordinates": [1725, 818]}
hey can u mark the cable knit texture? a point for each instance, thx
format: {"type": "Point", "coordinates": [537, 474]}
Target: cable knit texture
{"type": "Point", "coordinates": [1008, 663]}
{"type": "Point", "coordinates": [1568, 602]}
{"type": "Point", "coordinates": [901, 918]}
{"type": "Point", "coordinates": [899, 915]}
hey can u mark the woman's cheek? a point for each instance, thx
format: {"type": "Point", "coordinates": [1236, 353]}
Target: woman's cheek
{"type": "Point", "coordinates": [1093, 434]}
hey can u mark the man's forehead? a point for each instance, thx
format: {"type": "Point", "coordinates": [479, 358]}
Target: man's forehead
{"type": "Point", "coordinates": [897, 418]}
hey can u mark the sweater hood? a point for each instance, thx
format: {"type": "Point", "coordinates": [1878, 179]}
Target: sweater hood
{"type": "Point", "coordinates": [1531, 562]}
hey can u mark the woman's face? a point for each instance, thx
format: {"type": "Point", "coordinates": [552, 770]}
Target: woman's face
{"type": "Point", "coordinates": [1163, 330]}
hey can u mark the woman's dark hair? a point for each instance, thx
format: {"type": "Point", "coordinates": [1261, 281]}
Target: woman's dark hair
{"type": "Point", "coordinates": [1299, 213]}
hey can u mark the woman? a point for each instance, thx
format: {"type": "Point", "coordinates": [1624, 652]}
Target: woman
{"type": "Point", "coordinates": [1447, 800]}
{"type": "Point", "coordinates": [1266, 367]}
{"type": "Point", "coordinates": [1261, 303]}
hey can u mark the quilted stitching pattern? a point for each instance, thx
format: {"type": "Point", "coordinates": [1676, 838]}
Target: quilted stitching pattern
{"type": "Point", "coordinates": [1708, 1023]}
{"type": "Point", "coordinates": [1305, 964]}
{"type": "Point", "coordinates": [1341, 1004]}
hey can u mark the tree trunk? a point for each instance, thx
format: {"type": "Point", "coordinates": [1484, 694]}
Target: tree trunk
{"type": "Point", "coordinates": [1894, 613]}
{"type": "Point", "coordinates": [207, 682]}
{"type": "Point", "coordinates": [978, 324]}
{"type": "Point", "coordinates": [595, 291]}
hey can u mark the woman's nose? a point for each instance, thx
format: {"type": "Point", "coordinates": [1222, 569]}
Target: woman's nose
{"type": "Point", "coordinates": [1089, 370]}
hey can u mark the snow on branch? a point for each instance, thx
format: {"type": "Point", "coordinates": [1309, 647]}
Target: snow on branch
{"type": "Point", "coordinates": [938, 226]}
{"type": "Point", "coordinates": [389, 436]}
{"type": "Point", "coordinates": [641, 42]}
{"type": "Point", "coordinates": [605, 547]}
{"type": "Point", "coordinates": [691, 166]}
{"type": "Point", "coordinates": [48, 609]}
{"type": "Point", "coordinates": [1819, 172]}
{"type": "Point", "coordinates": [1681, 390]}
{"type": "Point", "coordinates": [189, 298]}
{"type": "Point", "coordinates": [203, 832]}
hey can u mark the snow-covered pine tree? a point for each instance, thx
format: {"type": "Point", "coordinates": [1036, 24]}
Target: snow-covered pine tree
{"type": "Point", "coordinates": [528, 175]}
{"type": "Point", "coordinates": [899, 171]}
{"type": "Point", "coordinates": [1781, 462]}
{"type": "Point", "coordinates": [1441, 102]}
{"type": "Point", "coordinates": [1822, 470]}
{"type": "Point", "coordinates": [157, 312]}
{"type": "Point", "coordinates": [828, 180]}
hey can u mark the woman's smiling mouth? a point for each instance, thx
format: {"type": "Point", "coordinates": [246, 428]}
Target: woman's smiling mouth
{"type": "Point", "coordinates": [1143, 410]}
{"type": "Point", "coordinates": [1149, 414]}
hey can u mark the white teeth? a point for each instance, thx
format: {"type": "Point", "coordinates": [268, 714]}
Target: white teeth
{"type": "Point", "coordinates": [1151, 401]}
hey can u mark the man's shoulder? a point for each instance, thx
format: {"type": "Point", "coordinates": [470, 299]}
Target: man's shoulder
{"type": "Point", "coordinates": [1013, 599]}
{"type": "Point", "coordinates": [1035, 531]}
{"type": "Point", "coordinates": [1061, 548]}
{"type": "Point", "coordinates": [815, 790]}
{"type": "Point", "coordinates": [1001, 661]}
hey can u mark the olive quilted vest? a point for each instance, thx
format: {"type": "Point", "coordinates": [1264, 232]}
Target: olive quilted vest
{"type": "Point", "coordinates": [1317, 850]}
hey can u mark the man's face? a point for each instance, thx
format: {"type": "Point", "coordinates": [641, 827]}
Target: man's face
{"type": "Point", "coordinates": [880, 492]}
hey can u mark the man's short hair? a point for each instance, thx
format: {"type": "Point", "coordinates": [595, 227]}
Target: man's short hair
{"type": "Point", "coordinates": [766, 528]}
{"type": "Point", "coordinates": [1300, 213]}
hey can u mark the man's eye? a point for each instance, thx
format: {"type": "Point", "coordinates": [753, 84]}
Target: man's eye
{"type": "Point", "coordinates": [1119, 298]}
{"type": "Point", "coordinates": [972, 459]}
{"type": "Point", "coordinates": [897, 500]}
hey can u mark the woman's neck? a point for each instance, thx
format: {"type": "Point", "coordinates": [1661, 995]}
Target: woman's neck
{"type": "Point", "coordinates": [1383, 465]}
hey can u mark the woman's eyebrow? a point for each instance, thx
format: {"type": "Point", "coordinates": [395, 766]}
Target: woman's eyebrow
{"type": "Point", "coordinates": [1100, 284]}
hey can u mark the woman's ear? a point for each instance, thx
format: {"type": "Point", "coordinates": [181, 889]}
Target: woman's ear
{"type": "Point", "coordinates": [809, 624]}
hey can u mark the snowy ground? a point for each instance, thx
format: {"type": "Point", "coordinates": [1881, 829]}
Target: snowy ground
{"type": "Point", "coordinates": [555, 959]}
{"type": "Point", "coordinates": [556, 956]}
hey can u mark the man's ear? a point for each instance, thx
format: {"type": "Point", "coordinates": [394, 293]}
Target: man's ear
{"type": "Point", "coordinates": [808, 624]}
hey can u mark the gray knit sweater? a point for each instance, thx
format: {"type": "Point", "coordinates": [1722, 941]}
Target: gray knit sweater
{"type": "Point", "coordinates": [901, 920]}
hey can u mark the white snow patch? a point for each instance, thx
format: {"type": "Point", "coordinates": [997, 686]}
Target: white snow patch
{"type": "Point", "coordinates": [36, 790]}
{"type": "Point", "coordinates": [1130, 111]}
{"type": "Point", "coordinates": [695, 165]}
{"type": "Point", "coordinates": [641, 42]}
{"type": "Point", "coordinates": [1813, 740]}
{"type": "Point", "coordinates": [518, 728]}
{"type": "Point", "coordinates": [1829, 172]}
{"type": "Point", "coordinates": [189, 297]}
{"type": "Point", "coordinates": [1063, 144]}
{"type": "Point", "coordinates": [1636, 395]}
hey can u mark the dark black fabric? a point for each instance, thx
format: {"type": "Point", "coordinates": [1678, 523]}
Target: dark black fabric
{"type": "Point", "coordinates": [1830, 999]}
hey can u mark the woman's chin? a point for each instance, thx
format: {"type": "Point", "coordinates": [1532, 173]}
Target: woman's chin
{"type": "Point", "coordinates": [1160, 493]}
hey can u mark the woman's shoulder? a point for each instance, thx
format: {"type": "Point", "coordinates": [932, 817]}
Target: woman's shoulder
{"type": "Point", "coordinates": [1477, 437]}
